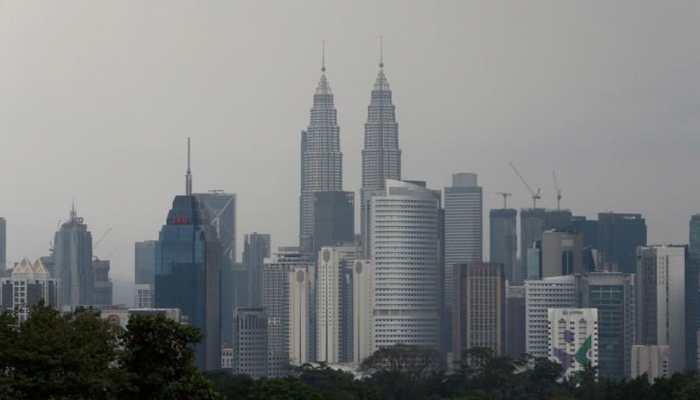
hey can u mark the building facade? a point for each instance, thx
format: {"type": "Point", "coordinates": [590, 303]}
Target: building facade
{"type": "Point", "coordinates": [256, 249]}
{"type": "Point", "coordinates": [73, 259]}
{"type": "Point", "coordinates": [479, 309]}
{"type": "Point", "coordinates": [463, 228]}
{"type": "Point", "coordinates": [404, 246]}
{"type": "Point", "coordinates": [144, 296]}
{"type": "Point", "coordinates": [504, 240]}
{"type": "Point", "coordinates": [652, 360]}
{"type": "Point", "coordinates": [27, 285]}
{"type": "Point", "coordinates": [619, 235]}
{"type": "Point", "coordinates": [334, 219]}
{"type": "Point", "coordinates": [661, 300]}
{"type": "Point", "coordinates": [363, 294]}
{"type": "Point", "coordinates": [3, 245]}
{"type": "Point", "coordinates": [321, 159]}
{"type": "Point", "coordinates": [573, 338]}
{"type": "Point", "coordinates": [221, 214]}
{"type": "Point", "coordinates": [103, 285]}
{"type": "Point", "coordinates": [381, 156]}
{"type": "Point", "coordinates": [250, 342]}
{"type": "Point", "coordinates": [562, 253]}
{"type": "Point", "coordinates": [540, 296]}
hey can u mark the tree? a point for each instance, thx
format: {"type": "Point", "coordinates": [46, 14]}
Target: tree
{"type": "Point", "coordinates": [159, 360]}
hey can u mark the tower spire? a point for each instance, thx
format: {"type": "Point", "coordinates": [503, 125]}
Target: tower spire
{"type": "Point", "coordinates": [188, 176]}
{"type": "Point", "coordinates": [323, 56]}
{"type": "Point", "coordinates": [381, 51]}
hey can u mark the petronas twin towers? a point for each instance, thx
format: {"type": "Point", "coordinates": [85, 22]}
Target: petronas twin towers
{"type": "Point", "coordinates": [322, 160]}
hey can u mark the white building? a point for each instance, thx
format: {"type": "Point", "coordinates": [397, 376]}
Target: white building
{"type": "Point", "coordinates": [404, 247]}
{"type": "Point", "coordinates": [464, 233]}
{"type": "Point", "coordinates": [144, 295]}
{"type": "Point", "coordinates": [661, 299]}
{"type": "Point", "coordinates": [363, 287]}
{"type": "Point", "coordinates": [541, 295]}
{"type": "Point", "coordinates": [301, 318]}
{"type": "Point", "coordinates": [330, 302]}
{"type": "Point", "coordinates": [573, 338]}
{"type": "Point", "coordinates": [226, 357]}
{"type": "Point", "coordinates": [27, 285]}
{"type": "Point", "coordinates": [120, 315]}
{"type": "Point", "coordinates": [655, 361]}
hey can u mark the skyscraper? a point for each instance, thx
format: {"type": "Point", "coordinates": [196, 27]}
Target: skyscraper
{"type": "Point", "coordinates": [103, 285]}
{"type": "Point", "coordinates": [463, 228]}
{"type": "Point", "coordinates": [515, 321]}
{"type": "Point", "coordinates": [504, 240]}
{"type": "Point", "coordinates": [661, 316]}
{"type": "Point", "coordinates": [404, 246]}
{"type": "Point", "coordinates": [363, 293]}
{"type": "Point", "coordinates": [3, 245]}
{"type": "Point", "coordinates": [541, 295]}
{"type": "Point", "coordinates": [250, 342]}
{"type": "Point", "coordinates": [479, 309]}
{"type": "Point", "coordinates": [334, 219]}
{"type": "Point", "coordinates": [562, 253]}
{"type": "Point", "coordinates": [694, 240]}
{"type": "Point", "coordinates": [619, 235]}
{"type": "Point", "coordinates": [613, 295]}
{"type": "Point", "coordinates": [381, 156]}
{"type": "Point", "coordinates": [221, 211]}
{"type": "Point", "coordinates": [73, 258]}
{"type": "Point", "coordinates": [144, 272]}
{"type": "Point", "coordinates": [533, 223]}
{"type": "Point", "coordinates": [321, 158]}
{"type": "Point", "coordinates": [188, 272]}
{"type": "Point", "coordinates": [256, 248]}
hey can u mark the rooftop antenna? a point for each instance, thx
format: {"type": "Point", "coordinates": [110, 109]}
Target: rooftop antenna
{"type": "Point", "coordinates": [381, 51]}
{"type": "Point", "coordinates": [323, 56]}
{"type": "Point", "coordinates": [188, 176]}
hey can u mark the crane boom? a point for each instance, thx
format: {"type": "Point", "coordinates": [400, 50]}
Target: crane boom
{"type": "Point", "coordinates": [104, 235]}
{"type": "Point", "coordinates": [535, 195]}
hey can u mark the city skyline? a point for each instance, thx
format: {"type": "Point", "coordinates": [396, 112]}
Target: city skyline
{"type": "Point", "coordinates": [97, 145]}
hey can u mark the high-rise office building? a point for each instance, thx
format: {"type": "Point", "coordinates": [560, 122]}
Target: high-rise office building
{"type": "Point", "coordinates": [661, 300]}
{"type": "Point", "coordinates": [221, 212]}
{"type": "Point", "coordinates": [288, 302]}
{"type": "Point", "coordinates": [363, 294]}
{"type": "Point", "coordinates": [533, 223]}
{"type": "Point", "coordinates": [479, 309]}
{"type": "Point", "coordinates": [562, 253]}
{"type": "Point", "coordinates": [330, 302]}
{"type": "Point", "coordinates": [613, 295]}
{"type": "Point", "coordinates": [573, 338]}
{"type": "Point", "coordinates": [321, 158]}
{"type": "Point", "coordinates": [73, 258]}
{"type": "Point", "coordinates": [652, 360]}
{"type": "Point", "coordinates": [619, 235]}
{"type": "Point", "coordinates": [504, 240]}
{"type": "Point", "coordinates": [250, 342]}
{"type": "Point", "coordinates": [588, 228]}
{"type": "Point", "coordinates": [3, 246]}
{"type": "Point", "coordinates": [694, 239]}
{"type": "Point", "coordinates": [381, 156]}
{"type": "Point", "coordinates": [404, 246]}
{"type": "Point", "coordinates": [145, 262]}
{"type": "Point", "coordinates": [334, 219]}
{"type": "Point", "coordinates": [256, 248]}
{"type": "Point", "coordinates": [27, 285]}
{"type": "Point", "coordinates": [103, 285]}
{"type": "Point", "coordinates": [515, 321]}
{"type": "Point", "coordinates": [463, 228]}
{"type": "Point", "coordinates": [541, 295]}
{"type": "Point", "coordinates": [188, 271]}
{"type": "Point", "coordinates": [144, 295]}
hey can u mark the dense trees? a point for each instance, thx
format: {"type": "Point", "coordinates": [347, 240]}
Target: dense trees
{"type": "Point", "coordinates": [80, 356]}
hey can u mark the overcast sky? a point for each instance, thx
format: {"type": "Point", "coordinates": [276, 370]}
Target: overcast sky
{"type": "Point", "coordinates": [97, 99]}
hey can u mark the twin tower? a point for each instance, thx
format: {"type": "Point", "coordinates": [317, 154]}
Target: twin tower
{"type": "Point", "coordinates": [322, 160]}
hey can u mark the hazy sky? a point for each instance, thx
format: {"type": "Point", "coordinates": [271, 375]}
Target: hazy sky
{"type": "Point", "coordinates": [97, 99]}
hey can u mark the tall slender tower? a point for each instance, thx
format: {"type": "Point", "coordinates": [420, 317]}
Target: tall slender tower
{"type": "Point", "coordinates": [381, 156]}
{"type": "Point", "coordinates": [321, 159]}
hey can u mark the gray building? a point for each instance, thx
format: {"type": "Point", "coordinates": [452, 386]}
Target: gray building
{"type": "Point", "coordinates": [381, 156]}
{"type": "Point", "coordinates": [562, 253]}
{"type": "Point", "coordinates": [73, 262]}
{"type": "Point", "coordinates": [479, 309]}
{"type": "Point", "coordinates": [463, 227]}
{"type": "Point", "coordinates": [103, 285]}
{"type": "Point", "coordinates": [533, 223]}
{"type": "Point", "coordinates": [321, 159]}
{"type": "Point", "coordinates": [256, 248]}
{"type": "Point", "coordinates": [27, 285]}
{"type": "Point", "coordinates": [613, 295]}
{"type": "Point", "coordinates": [515, 321]}
{"type": "Point", "coordinates": [334, 219]}
{"type": "Point", "coordinates": [221, 213]}
{"type": "Point", "coordinates": [619, 235]}
{"type": "Point", "coordinates": [250, 342]}
{"type": "Point", "coordinates": [145, 262]}
{"type": "Point", "coordinates": [504, 240]}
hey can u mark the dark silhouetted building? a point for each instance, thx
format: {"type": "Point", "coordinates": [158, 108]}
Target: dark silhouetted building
{"type": "Point", "coordinates": [256, 248]}
{"type": "Point", "coordinates": [619, 235]}
{"type": "Point", "coordinates": [504, 240]}
{"type": "Point", "coordinates": [73, 262]}
{"type": "Point", "coordinates": [103, 285]}
{"type": "Point", "coordinates": [515, 321]}
{"type": "Point", "coordinates": [334, 219]}
{"type": "Point", "coordinates": [250, 342]}
{"type": "Point", "coordinates": [3, 246]}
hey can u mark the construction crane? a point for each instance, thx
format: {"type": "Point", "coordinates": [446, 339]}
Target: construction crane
{"type": "Point", "coordinates": [535, 195]}
{"type": "Point", "coordinates": [505, 196]}
{"type": "Point", "coordinates": [557, 188]}
{"type": "Point", "coordinates": [104, 235]}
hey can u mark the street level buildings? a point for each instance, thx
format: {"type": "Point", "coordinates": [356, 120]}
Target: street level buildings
{"type": "Point", "coordinates": [27, 285]}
